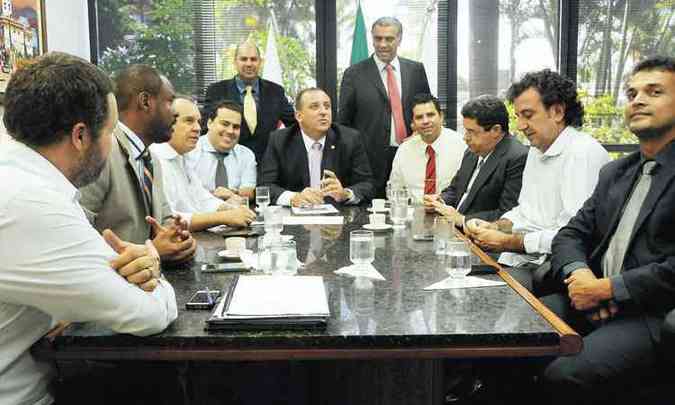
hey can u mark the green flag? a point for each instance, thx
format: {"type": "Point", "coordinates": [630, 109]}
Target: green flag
{"type": "Point", "coordinates": [360, 42]}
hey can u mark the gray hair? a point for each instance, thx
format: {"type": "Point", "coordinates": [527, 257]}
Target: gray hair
{"type": "Point", "coordinates": [388, 22]}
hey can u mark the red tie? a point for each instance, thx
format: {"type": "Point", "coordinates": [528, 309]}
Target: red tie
{"type": "Point", "coordinates": [396, 107]}
{"type": "Point", "coordinates": [430, 178]}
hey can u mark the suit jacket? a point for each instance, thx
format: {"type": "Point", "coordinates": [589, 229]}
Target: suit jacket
{"type": "Point", "coordinates": [285, 166]}
{"type": "Point", "coordinates": [364, 105]}
{"type": "Point", "coordinates": [273, 106]}
{"type": "Point", "coordinates": [649, 264]}
{"type": "Point", "coordinates": [115, 200]}
{"type": "Point", "coordinates": [497, 186]}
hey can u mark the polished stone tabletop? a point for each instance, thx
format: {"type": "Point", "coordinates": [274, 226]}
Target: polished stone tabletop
{"type": "Point", "coordinates": [365, 314]}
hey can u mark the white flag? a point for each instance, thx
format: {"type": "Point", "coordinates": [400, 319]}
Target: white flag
{"type": "Point", "coordinates": [272, 69]}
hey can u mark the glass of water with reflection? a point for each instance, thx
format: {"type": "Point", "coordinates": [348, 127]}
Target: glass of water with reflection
{"type": "Point", "coordinates": [361, 248]}
{"type": "Point", "coordinates": [399, 207]}
{"type": "Point", "coordinates": [458, 258]}
{"type": "Point", "coordinates": [273, 221]}
{"type": "Point", "coordinates": [262, 197]}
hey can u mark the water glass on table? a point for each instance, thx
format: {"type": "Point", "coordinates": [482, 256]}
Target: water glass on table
{"type": "Point", "coordinates": [273, 221]}
{"type": "Point", "coordinates": [399, 207]}
{"type": "Point", "coordinates": [361, 248]}
{"type": "Point", "coordinates": [444, 231]}
{"type": "Point", "coordinates": [458, 259]}
{"type": "Point", "coordinates": [262, 197]}
{"type": "Point", "coordinates": [283, 258]}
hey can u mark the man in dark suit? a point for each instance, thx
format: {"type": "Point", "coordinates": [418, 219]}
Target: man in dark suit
{"type": "Point", "coordinates": [376, 97]}
{"type": "Point", "coordinates": [268, 104]}
{"type": "Point", "coordinates": [489, 179]}
{"type": "Point", "coordinates": [616, 257]}
{"type": "Point", "coordinates": [316, 158]}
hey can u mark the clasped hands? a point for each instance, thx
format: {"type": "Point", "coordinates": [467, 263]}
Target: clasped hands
{"type": "Point", "coordinates": [173, 240]}
{"type": "Point", "coordinates": [434, 202]}
{"type": "Point", "coordinates": [592, 295]}
{"type": "Point", "coordinates": [330, 186]}
{"type": "Point", "coordinates": [138, 264]}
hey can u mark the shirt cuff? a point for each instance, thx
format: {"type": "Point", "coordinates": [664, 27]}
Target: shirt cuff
{"type": "Point", "coordinates": [619, 291]}
{"type": "Point", "coordinates": [569, 268]}
{"type": "Point", "coordinates": [538, 242]}
{"type": "Point", "coordinates": [284, 199]}
{"type": "Point", "coordinates": [353, 199]}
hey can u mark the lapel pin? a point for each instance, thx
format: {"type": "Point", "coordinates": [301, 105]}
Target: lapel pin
{"type": "Point", "coordinates": [332, 146]}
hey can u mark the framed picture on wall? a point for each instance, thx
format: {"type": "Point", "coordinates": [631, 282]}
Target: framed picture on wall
{"type": "Point", "coordinates": [22, 34]}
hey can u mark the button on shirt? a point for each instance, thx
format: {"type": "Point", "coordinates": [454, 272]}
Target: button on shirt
{"type": "Point", "coordinates": [555, 186]}
{"type": "Point", "coordinates": [411, 158]}
{"type": "Point", "coordinates": [184, 192]}
{"type": "Point", "coordinates": [382, 68]}
{"type": "Point", "coordinates": [240, 165]}
{"type": "Point", "coordinates": [54, 266]}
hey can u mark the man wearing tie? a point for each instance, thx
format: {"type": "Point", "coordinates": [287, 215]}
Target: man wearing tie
{"type": "Point", "coordinates": [427, 161]}
{"type": "Point", "coordinates": [316, 158]}
{"type": "Point", "coordinates": [264, 103]}
{"type": "Point", "coordinates": [376, 97]}
{"type": "Point", "coordinates": [128, 196]}
{"type": "Point", "coordinates": [615, 260]}
{"type": "Point", "coordinates": [490, 177]}
{"type": "Point", "coordinates": [222, 165]}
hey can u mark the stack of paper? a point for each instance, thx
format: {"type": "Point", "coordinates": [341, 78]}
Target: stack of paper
{"type": "Point", "coordinates": [272, 302]}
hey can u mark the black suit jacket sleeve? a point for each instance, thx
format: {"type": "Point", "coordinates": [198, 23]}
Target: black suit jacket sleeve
{"type": "Point", "coordinates": [361, 181]}
{"type": "Point", "coordinates": [513, 181]}
{"type": "Point", "coordinates": [347, 103]}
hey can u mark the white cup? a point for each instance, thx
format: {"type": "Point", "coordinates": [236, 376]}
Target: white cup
{"type": "Point", "coordinates": [378, 204]}
{"type": "Point", "coordinates": [376, 219]}
{"type": "Point", "coordinates": [235, 244]}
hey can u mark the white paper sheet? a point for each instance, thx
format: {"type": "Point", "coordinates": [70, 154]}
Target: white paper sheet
{"type": "Point", "coordinates": [367, 271]}
{"type": "Point", "coordinates": [466, 282]}
{"type": "Point", "coordinates": [314, 220]}
{"type": "Point", "coordinates": [315, 210]}
{"type": "Point", "coordinates": [279, 296]}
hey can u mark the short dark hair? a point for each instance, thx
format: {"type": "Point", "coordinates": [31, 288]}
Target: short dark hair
{"type": "Point", "coordinates": [423, 98]}
{"type": "Point", "coordinates": [46, 98]}
{"type": "Point", "coordinates": [388, 22]}
{"type": "Point", "coordinates": [134, 79]}
{"type": "Point", "coordinates": [553, 88]}
{"type": "Point", "coordinates": [227, 104]}
{"type": "Point", "coordinates": [488, 111]}
{"type": "Point", "coordinates": [662, 63]}
{"type": "Point", "coordinates": [301, 93]}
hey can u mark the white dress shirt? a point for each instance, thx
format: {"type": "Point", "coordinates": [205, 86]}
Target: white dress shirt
{"type": "Point", "coordinates": [555, 186]}
{"type": "Point", "coordinates": [55, 266]}
{"type": "Point", "coordinates": [183, 190]}
{"type": "Point", "coordinates": [396, 67]}
{"type": "Point", "coordinates": [240, 165]}
{"type": "Point", "coordinates": [284, 198]}
{"type": "Point", "coordinates": [410, 163]}
{"type": "Point", "coordinates": [476, 170]}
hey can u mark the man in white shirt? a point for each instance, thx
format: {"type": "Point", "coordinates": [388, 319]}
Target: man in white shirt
{"type": "Point", "coordinates": [427, 161]}
{"type": "Point", "coordinates": [183, 190]}
{"type": "Point", "coordinates": [560, 174]}
{"type": "Point", "coordinates": [53, 264]}
{"type": "Point", "coordinates": [224, 167]}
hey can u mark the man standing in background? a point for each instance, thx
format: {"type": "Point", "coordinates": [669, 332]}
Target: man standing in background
{"type": "Point", "coordinates": [376, 98]}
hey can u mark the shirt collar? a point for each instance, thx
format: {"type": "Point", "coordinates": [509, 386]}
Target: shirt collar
{"type": "Point", "coordinates": [36, 162]}
{"type": "Point", "coordinates": [137, 145]}
{"type": "Point", "coordinates": [309, 141]}
{"type": "Point", "coordinates": [208, 147]}
{"type": "Point", "coordinates": [395, 63]}
{"type": "Point", "coordinates": [164, 151]}
{"type": "Point", "coordinates": [437, 145]}
{"type": "Point", "coordinates": [241, 86]}
{"type": "Point", "coordinates": [560, 143]}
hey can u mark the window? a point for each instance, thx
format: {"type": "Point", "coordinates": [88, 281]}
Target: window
{"type": "Point", "coordinates": [613, 36]}
{"type": "Point", "coordinates": [499, 41]}
{"type": "Point", "coordinates": [192, 42]}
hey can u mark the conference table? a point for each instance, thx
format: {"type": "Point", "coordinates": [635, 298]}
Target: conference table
{"type": "Point", "coordinates": [386, 341]}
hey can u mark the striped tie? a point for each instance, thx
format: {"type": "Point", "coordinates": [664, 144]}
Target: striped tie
{"type": "Point", "coordinates": [147, 175]}
{"type": "Point", "coordinates": [430, 175]}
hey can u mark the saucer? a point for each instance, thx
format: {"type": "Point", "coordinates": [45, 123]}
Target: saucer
{"type": "Point", "coordinates": [371, 209]}
{"type": "Point", "coordinates": [231, 255]}
{"type": "Point", "coordinates": [377, 228]}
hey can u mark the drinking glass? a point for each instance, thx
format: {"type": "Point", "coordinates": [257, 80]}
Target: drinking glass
{"type": "Point", "coordinates": [458, 255]}
{"type": "Point", "coordinates": [361, 248]}
{"type": "Point", "coordinates": [273, 221]}
{"type": "Point", "coordinates": [262, 197]}
{"type": "Point", "coordinates": [443, 232]}
{"type": "Point", "coordinates": [283, 258]}
{"type": "Point", "coordinates": [399, 207]}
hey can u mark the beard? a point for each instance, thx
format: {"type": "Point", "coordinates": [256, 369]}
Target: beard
{"type": "Point", "coordinates": [90, 167]}
{"type": "Point", "coordinates": [654, 132]}
{"type": "Point", "coordinates": [159, 130]}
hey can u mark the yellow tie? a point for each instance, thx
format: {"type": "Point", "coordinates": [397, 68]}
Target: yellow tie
{"type": "Point", "coordinates": [250, 113]}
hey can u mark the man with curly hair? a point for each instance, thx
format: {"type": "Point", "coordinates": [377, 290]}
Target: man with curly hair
{"type": "Point", "coordinates": [560, 174]}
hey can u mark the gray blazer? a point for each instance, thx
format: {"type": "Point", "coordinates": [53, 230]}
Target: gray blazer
{"type": "Point", "coordinates": [115, 201]}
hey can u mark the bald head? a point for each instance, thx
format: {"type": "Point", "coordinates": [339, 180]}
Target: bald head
{"type": "Point", "coordinates": [247, 61]}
